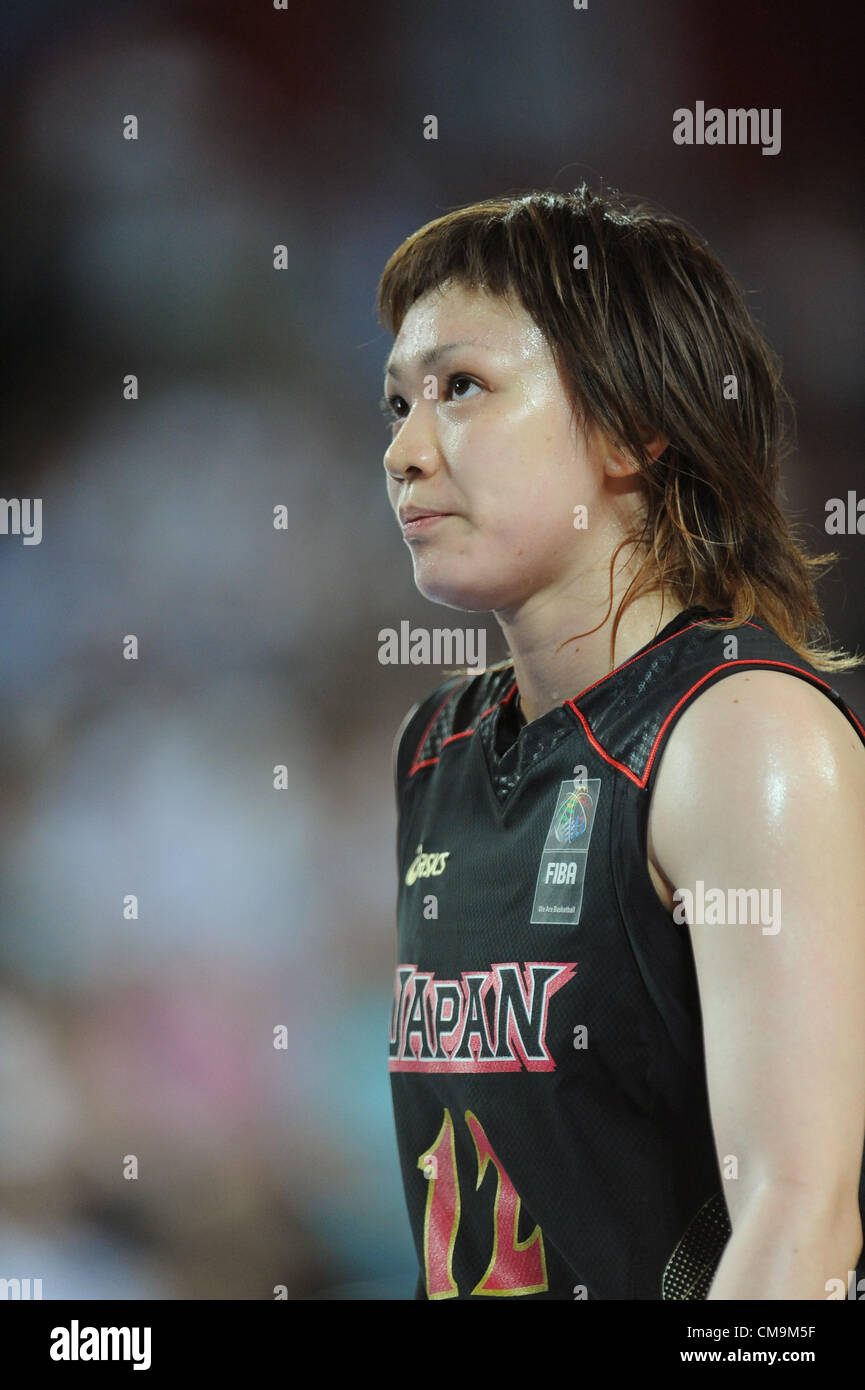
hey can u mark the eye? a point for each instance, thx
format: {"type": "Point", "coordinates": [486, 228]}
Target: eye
{"type": "Point", "coordinates": [395, 408]}
{"type": "Point", "coordinates": [392, 409]}
{"type": "Point", "coordinates": [455, 380]}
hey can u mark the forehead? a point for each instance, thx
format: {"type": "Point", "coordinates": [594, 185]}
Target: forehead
{"type": "Point", "coordinates": [457, 315]}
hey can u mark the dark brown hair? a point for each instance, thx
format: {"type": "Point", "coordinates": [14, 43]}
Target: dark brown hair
{"type": "Point", "coordinates": [644, 337]}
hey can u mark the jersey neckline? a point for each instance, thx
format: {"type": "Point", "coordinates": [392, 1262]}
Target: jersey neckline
{"type": "Point", "coordinates": [686, 618]}
{"type": "Point", "coordinates": [510, 742]}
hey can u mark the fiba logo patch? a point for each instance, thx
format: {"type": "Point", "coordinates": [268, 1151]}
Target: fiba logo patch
{"type": "Point", "coordinates": [562, 870]}
{"type": "Point", "coordinates": [573, 816]}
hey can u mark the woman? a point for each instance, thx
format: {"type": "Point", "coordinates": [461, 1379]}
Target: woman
{"type": "Point", "coordinates": [628, 1005]}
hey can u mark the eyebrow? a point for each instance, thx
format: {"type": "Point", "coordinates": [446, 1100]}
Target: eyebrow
{"type": "Point", "coordinates": [432, 355]}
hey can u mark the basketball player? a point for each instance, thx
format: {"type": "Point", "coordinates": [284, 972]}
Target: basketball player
{"type": "Point", "coordinates": [627, 1044]}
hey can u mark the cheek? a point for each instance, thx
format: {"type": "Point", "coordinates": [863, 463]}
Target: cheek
{"type": "Point", "coordinates": [535, 500]}
{"type": "Point", "coordinates": [537, 537]}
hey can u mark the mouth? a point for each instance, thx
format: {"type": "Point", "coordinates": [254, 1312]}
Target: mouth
{"type": "Point", "coordinates": [414, 523]}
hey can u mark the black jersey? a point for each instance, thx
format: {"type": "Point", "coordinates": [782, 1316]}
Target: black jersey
{"type": "Point", "coordinates": [546, 1048]}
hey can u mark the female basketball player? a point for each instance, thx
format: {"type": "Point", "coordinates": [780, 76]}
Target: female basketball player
{"type": "Point", "coordinates": [627, 1044]}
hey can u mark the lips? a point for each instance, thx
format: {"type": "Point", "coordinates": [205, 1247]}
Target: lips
{"type": "Point", "coordinates": [408, 514]}
{"type": "Point", "coordinates": [422, 521]}
{"type": "Point", "coordinates": [415, 520]}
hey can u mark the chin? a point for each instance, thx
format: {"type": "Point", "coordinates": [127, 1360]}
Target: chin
{"type": "Point", "coordinates": [470, 593]}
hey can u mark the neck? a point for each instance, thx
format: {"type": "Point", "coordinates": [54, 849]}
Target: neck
{"type": "Point", "coordinates": [549, 669]}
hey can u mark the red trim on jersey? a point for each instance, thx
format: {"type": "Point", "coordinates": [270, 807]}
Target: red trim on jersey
{"type": "Point", "coordinates": [653, 648]}
{"type": "Point", "coordinates": [597, 747]}
{"type": "Point", "coordinates": [451, 738]}
{"type": "Point", "coordinates": [572, 705]}
{"type": "Point", "coordinates": [725, 666]}
{"type": "Point", "coordinates": [430, 762]}
{"type": "Point", "coordinates": [415, 764]}
{"type": "Point", "coordinates": [859, 726]}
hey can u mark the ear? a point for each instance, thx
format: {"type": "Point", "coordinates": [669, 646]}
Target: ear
{"type": "Point", "coordinates": [620, 465]}
{"type": "Point", "coordinates": [656, 446]}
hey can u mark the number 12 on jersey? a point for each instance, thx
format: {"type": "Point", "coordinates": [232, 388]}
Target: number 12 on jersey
{"type": "Point", "coordinates": [516, 1266]}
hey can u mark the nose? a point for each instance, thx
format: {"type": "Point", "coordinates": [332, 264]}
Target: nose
{"type": "Point", "coordinates": [414, 447]}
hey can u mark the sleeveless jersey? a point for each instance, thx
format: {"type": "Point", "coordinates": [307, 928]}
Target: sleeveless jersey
{"type": "Point", "coordinates": [546, 1048]}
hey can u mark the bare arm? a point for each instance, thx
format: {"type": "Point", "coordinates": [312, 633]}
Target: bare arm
{"type": "Point", "coordinates": [762, 786]}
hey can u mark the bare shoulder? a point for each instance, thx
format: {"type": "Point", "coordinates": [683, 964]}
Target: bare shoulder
{"type": "Point", "coordinates": [759, 761]}
{"type": "Point", "coordinates": [769, 715]}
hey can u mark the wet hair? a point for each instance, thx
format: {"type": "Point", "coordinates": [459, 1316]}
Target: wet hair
{"type": "Point", "coordinates": [652, 337]}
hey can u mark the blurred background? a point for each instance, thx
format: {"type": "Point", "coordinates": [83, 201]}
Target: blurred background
{"type": "Point", "coordinates": [153, 1036]}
